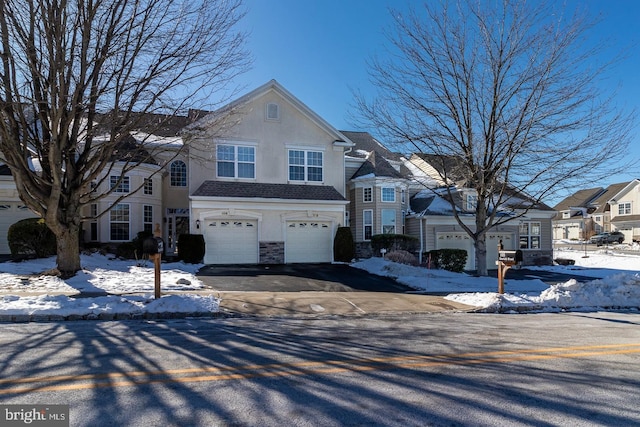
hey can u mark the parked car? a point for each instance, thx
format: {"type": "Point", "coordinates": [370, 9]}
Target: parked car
{"type": "Point", "coordinates": [604, 238]}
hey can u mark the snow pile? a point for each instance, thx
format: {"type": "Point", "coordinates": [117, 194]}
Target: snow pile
{"type": "Point", "coordinates": [90, 293]}
{"type": "Point", "coordinates": [617, 288]}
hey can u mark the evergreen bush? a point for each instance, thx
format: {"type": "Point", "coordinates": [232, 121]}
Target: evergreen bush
{"type": "Point", "coordinates": [394, 242]}
{"type": "Point", "coordinates": [191, 248]}
{"type": "Point", "coordinates": [31, 238]}
{"type": "Point", "coordinates": [448, 259]}
{"type": "Point", "coordinates": [344, 249]}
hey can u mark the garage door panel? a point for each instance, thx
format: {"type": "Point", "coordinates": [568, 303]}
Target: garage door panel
{"type": "Point", "coordinates": [231, 242]}
{"type": "Point", "coordinates": [457, 241]}
{"type": "Point", "coordinates": [308, 241]}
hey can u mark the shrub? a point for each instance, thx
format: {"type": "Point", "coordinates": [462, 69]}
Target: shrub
{"type": "Point", "coordinates": [402, 257]}
{"type": "Point", "coordinates": [191, 248]}
{"type": "Point", "coordinates": [448, 259]}
{"type": "Point", "coordinates": [31, 238]}
{"type": "Point", "coordinates": [394, 242]}
{"type": "Point", "coordinates": [344, 249]}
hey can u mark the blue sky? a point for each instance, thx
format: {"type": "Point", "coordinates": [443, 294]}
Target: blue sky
{"type": "Point", "coordinates": [318, 50]}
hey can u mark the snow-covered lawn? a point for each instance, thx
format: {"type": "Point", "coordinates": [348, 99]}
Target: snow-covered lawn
{"type": "Point", "coordinates": [25, 291]}
{"type": "Point", "coordinates": [618, 286]}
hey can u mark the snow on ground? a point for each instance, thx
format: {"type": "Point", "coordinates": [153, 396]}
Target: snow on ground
{"type": "Point", "coordinates": [111, 286]}
{"type": "Point", "coordinates": [26, 291]}
{"type": "Point", "coordinates": [618, 286]}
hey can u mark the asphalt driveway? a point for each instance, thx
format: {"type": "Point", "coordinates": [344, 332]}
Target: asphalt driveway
{"type": "Point", "coordinates": [296, 278]}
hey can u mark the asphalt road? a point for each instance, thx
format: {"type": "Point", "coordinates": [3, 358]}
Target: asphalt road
{"type": "Point", "coordinates": [430, 370]}
{"type": "Point", "coordinates": [296, 278]}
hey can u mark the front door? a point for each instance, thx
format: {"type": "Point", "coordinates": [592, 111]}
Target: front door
{"type": "Point", "coordinates": [177, 224]}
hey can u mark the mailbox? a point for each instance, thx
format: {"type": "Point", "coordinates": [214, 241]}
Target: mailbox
{"type": "Point", "coordinates": [152, 246]}
{"type": "Point", "coordinates": [507, 256]}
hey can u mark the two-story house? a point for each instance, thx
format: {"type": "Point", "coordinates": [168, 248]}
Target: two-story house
{"type": "Point", "coordinates": [378, 187]}
{"type": "Point", "coordinates": [524, 224]}
{"type": "Point", "coordinates": [615, 208]}
{"type": "Point", "coordinates": [270, 188]}
{"type": "Point", "coordinates": [574, 217]}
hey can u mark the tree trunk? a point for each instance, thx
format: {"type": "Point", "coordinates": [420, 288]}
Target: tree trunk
{"type": "Point", "coordinates": [68, 251]}
{"type": "Point", "coordinates": [481, 255]}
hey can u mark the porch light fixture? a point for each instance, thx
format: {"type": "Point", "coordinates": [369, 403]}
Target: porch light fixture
{"type": "Point", "coordinates": [198, 224]}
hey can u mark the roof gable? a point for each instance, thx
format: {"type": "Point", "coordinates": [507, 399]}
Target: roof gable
{"type": "Point", "coordinates": [378, 166]}
{"type": "Point", "coordinates": [270, 86]}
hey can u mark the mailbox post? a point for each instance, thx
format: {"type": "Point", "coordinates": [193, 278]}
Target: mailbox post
{"type": "Point", "coordinates": [153, 247]}
{"type": "Point", "coordinates": [506, 260]}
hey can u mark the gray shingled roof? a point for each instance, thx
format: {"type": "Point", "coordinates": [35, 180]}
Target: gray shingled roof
{"type": "Point", "coordinates": [366, 142]}
{"type": "Point", "coordinates": [581, 199]}
{"type": "Point", "coordinates": [268, 191]}
{"type": "Point", "coordinates": [376, 164]}
{"type": "Point", "coordinates": [603, 200]}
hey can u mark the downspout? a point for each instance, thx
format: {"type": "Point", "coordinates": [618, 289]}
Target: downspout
{"type": "Point", "coordinates": [421, 242]}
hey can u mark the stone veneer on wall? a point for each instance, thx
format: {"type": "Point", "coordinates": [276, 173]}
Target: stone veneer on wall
{"type": "Point", "coordinates": [271, 253]}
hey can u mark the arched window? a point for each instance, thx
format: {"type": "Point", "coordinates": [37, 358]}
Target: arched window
{"type": "Point", "coordinates": [178, 174]}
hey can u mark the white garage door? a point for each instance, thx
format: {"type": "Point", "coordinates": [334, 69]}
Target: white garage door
{"type": "Point", "coordinates": [231, 242]}
{"type": "Point", "coordinates": [309, 241]}
{"type": "Point", "coordinates": [457, 241]}
{"type": "Point", "coordinates": [11, 213]}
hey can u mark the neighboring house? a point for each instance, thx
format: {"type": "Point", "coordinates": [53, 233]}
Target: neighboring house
{"type": "Point", "coordinates": [625, 211]}
{"type": "Point", "coordinates": [378, 191]}
{"type": "Point", "coordinates": [11, 207]}
{"type": "Point", "coordinates": [432, 218]}
{"type": "Point", "coordinates": [615, 208]}
{"type": "Point", "coordinates": [270, 188]}
{"type": "Point", "coordinates": [574, 218]}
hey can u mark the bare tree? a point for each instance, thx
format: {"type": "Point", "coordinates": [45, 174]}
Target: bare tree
{"type": "Point", "coordinates": [78, 76]}
{"type": "Point", "coordinates": [510, 89]}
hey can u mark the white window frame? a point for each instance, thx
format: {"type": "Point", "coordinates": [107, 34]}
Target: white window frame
{"type": "Point", "coordinates": [178, 177]}
{"type": "Point", "coordinates": [624, 208]}
{"type": "Point", "coordinates": [120, 220]}
{"type": "Point", "coordinates": [530, 235]}
{"type": "Point", "coordinates": [472, 202]}
{"type": "Point", "coordinates": [123, 187]}
{"type": "Point", "coordinates": [566, 215]}
{"type": "Point", "coordinates": [367, 224]}
{"type": "Point", "coordinates": [269, 108]}
{"type": "Point", "coordinates": [237, 161]}
{"type": "Point", "coordinates": [385, 224]}
{"type": "Point", "coordinates": [148, 186]}
{"type": "Point", "coordinates": [383, 198]}
{"type": "Point", "coordinates": [307, 167]}
{"type": "Point", "coordinates": [147, 218]}
{"type": "Point", "coordinates": [367, 191]}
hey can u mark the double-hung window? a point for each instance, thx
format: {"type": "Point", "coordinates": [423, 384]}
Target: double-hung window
{"type": "Point", "coordinates": [624, 208]}
{"type": "Point", "coordinates": [236, 161]}
{"type": "Point", "coordinates": [119, 187]}
{"type": "Point", "coordinates": [530, 235]}
{"type": "Point", "coordinates": [147, 218]}
{"type": "Point", "coordinates": [148, 186]}
{"type": "Point", "coordinates": [388, 221]}
{"type": "Point", "coordinates": [119, 222]}
{"type": "Point", "coordinates": [367, 223]}
{"type": "Point", "coordinates": [305, 165]}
